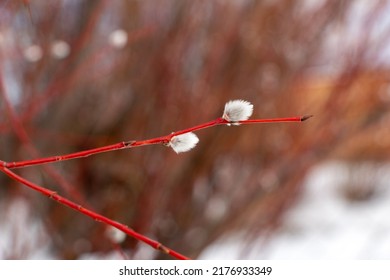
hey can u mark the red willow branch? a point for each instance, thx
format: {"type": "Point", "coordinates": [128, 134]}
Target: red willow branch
{"type": "Point", "coordinates": [97, 217]}
{"type": "Point", "coordinates": [166, 140]}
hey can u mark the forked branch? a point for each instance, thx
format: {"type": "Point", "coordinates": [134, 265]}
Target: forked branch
{"type": "Point", "coordinates": [236, 112]}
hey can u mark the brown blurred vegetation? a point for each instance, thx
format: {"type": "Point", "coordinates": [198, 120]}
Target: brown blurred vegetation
{"type": "Point", "coordinates": [182, 62]}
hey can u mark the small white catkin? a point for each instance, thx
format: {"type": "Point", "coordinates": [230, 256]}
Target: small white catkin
{"type": "Point", "coordinates": [237, 110]}
{"type": "Point", "coordinates": [184, 142]}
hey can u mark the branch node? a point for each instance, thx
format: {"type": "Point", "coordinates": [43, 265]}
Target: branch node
{"type": "Point", "coordinates": [52, 195]}
{"type": "Point", "coordinates": [127, 144]}
{"type": "Point", "coordinates": [162, 248]}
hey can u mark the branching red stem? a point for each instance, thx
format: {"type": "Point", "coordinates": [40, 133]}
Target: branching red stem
{"type": "Point", "coordinates": [6, 166]}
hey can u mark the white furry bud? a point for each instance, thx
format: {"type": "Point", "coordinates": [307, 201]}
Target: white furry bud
{"type": "Point", "coordinates": [237, 110]}
{"type": "Point", "coordinates": [184, 142]}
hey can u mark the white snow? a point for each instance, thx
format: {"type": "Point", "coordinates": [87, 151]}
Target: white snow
{"type": "Point", "coordinates": [22, 235]}
{"type": "Point", "coordinates": [324, 224]}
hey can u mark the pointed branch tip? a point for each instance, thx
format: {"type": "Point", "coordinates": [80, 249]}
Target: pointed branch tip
{"type": "Point", "coordinates": [304, 118]}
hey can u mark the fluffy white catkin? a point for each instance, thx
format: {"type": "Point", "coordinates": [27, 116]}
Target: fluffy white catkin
{"type": "Point", "coordinates": [237, 110]}
{"type": "Point", "coordinates": [184, 142]}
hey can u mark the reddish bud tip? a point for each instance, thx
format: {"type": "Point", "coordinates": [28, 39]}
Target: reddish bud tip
{"type": "Point", "coordinates": [304, 118]}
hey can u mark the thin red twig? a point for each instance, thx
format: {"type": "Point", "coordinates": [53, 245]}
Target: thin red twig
{"type": "Point", "coordinates": [137, 143]}
{"type": "Point", "coordinates": [97, 217]}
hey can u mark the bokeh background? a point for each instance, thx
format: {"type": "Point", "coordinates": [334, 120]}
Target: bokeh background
{"type": "Point", "coordinates": [81, 74]}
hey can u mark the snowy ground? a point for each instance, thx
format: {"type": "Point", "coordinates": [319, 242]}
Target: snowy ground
{"type": "Point", "coordinates": [22, 236]}
{"type": "Point", "coordinates": [325, 223]}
